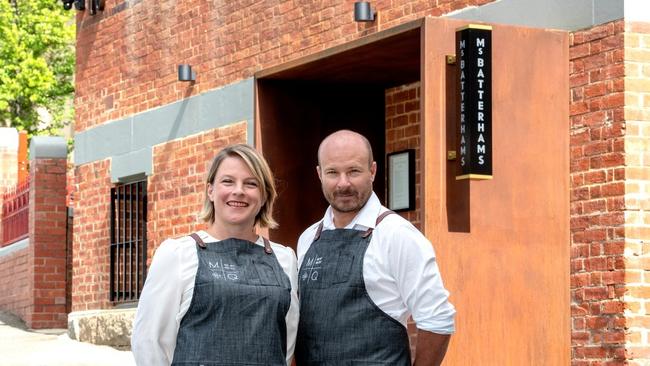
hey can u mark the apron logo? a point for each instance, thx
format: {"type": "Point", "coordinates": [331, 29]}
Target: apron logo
{"type": "Point", "coordinates": [221, 271]}
{"type": "Point", "coordinates": [310, 273]}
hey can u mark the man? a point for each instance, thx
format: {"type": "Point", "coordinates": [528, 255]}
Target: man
{"type": "Point", "coordinates": [363, 271]}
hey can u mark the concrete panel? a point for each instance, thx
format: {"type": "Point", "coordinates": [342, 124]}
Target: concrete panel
{"type": "Point", "coordinates": [101, 142]}
{"type": "Point", "coordinates": [554, 14]}
{"type": "Point", "coordinates": [166, 123]}
{"type": "Point", "coordinates": [130, 137]}
{"type": "Point", "coordinates": [608, 10]}
{"type": "Point", "coordinates": [47, 147]}
{"type": "Point", "coordinates": [133, 163]}
{"type": "Point", "coordinates": [230, 104]}
{"type": "Point", "coordinates": [12, 248]}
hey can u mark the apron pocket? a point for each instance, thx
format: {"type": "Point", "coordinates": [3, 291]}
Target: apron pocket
{"type": "Point", "coordinates": [265, 274]}
{"type": "Point", "coordinates": [344, 267]}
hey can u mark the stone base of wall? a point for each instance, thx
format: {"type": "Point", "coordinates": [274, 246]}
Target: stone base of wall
{"type": "Point", "coordinates": [103, 327]}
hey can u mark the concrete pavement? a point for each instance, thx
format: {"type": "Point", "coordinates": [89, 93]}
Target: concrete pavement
{"type": "Point", "coordinates": [22, 347]}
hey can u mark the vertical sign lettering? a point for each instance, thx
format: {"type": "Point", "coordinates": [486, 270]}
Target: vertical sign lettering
{"type": "Point", "coordinates": [474, 59]}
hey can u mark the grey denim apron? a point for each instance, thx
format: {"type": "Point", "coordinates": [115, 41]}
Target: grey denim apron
{"type": "Point", "coordinates": [237, 313]}
{"type": "Point", "coordinates": [339, 324]}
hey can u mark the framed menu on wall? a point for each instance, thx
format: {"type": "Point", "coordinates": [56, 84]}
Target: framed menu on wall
{"type": "Point", "coordinates": [401, 180]}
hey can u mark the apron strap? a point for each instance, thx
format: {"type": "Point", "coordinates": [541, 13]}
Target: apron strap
{"type": "Point", "coordinates": [267, 246]}
{"type": "Point", "coordinates": [201, 244]}
{"type": "Point", "coordinates": [198, 240]}
{"type": "Point", "coordinates": [383, 216]}
{"type": "Point", "coordinates": [318, 231]}
{"type": "Point", "coordinates": [379, 219]}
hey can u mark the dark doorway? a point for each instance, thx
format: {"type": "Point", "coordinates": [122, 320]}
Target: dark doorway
{"type": "Point", "coordinates": [297, 117]}
{"type": "Point", "coordinates": [301, 102]}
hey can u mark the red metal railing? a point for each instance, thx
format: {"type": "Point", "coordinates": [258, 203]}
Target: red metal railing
{"type": "Point", "coordinates": [15, 213]}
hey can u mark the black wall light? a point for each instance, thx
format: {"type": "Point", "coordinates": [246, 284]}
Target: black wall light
{"type": "Point", "coordinates": [95, 5]}
{"type": "Point", "coordinates": [185, 73]}
{"type": "Point", "coordinates": [78, 4]}
{"type": "Point", "coordinates": [363, 12]}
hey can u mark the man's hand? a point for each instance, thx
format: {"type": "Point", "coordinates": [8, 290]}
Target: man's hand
{"type": "Point", "coordinates": [431, 348]}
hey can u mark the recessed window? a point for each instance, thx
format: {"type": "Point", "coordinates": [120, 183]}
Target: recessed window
{"type": "Point", "coordinates": [128, 241]}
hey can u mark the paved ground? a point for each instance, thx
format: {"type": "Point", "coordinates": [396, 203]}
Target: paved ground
{"type": "Point", "coordinates": [22, 347]}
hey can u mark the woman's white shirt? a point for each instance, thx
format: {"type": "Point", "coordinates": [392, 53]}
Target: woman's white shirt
{"type": "Point", "coordinates": [168, 292]}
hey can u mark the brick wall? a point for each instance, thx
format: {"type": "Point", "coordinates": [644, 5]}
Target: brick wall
{"type": "Point", "coordinates": [91, 237]}
{"type": "Point", "coordinates": [127, 55]}
{"type": "Point", "coordinates": [177, 186]}
{"type": "Point", "coordinates": [598, 176]}
{"type": "Point", "coordinates": [126, 64]}
{"type": "Point", "coordinates": [403, 132]}
{"type": "Point", "coordinates": [15, 284]}
{"type": "Point", "coordinates": [34, 280]}
{"type": "Point", "coordinates": [174, 195]}
{"type": "Point", "coordinates": [402, 105]}
{"type": "Point", "coordinates": [637, 191]}
{"type": "Point", "coordinates": [47, 243]}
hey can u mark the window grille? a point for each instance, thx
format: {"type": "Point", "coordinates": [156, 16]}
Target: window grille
{"type": "Point", "coordinates": [128, 241]}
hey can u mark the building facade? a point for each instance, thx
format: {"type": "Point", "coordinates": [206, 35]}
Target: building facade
{"type": "Point", "coordinates": [547, 260]}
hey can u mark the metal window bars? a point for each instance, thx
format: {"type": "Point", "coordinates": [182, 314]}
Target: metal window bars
{"type": "Point", "coordinates": [128, 246]}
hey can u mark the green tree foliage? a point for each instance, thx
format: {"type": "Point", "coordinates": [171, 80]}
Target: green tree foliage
{"type": "Point", "coordinates": [37, 60]}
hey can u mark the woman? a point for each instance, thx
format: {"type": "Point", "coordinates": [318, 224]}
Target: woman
{"type": "Point", "coordinates": [225, 295]}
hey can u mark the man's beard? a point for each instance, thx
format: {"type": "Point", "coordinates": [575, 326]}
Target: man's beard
{"type": "Point", "coordinates": [354, 201]}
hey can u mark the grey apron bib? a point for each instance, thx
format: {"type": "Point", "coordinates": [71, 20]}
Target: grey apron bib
{"type": "Point", "coordinates": [237, 313]}
{"type": "Point", "coordinates": [339, 324]}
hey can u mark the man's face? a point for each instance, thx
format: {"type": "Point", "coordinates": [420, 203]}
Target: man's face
{"type": "Point", "coordinates": [346, 175]}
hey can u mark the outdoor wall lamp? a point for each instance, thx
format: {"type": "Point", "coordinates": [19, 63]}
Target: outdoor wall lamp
{"type": "Point", "coordinates": [185, 73]}
{"type": "Point", "coordinates": [78, 4]}
{"type": "Point", "coordinates": [95, 5]}
{"type": "Point", "coordinates": [363, 12]}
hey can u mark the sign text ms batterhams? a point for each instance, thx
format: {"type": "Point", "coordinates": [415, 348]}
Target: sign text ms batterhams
{"type": "Point", "coordinates": [474, 140]}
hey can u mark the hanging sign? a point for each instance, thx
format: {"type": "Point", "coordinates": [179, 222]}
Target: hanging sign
{"type": "Point", "coordinates": [474, 138]}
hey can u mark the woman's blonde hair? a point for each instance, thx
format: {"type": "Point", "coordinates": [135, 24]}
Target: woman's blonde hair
{"type": "Point", "coordinates": [260, 169]}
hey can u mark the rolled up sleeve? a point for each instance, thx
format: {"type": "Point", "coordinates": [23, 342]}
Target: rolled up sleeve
{"type": "Point", "coordinates": [419, 281]}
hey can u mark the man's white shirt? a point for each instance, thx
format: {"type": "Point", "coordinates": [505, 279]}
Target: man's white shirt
{"type": "Point", "coordinates": [399, 268]}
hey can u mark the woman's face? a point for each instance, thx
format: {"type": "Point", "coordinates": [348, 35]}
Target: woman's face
{"type": "Point", "coordinates": [235, 194]}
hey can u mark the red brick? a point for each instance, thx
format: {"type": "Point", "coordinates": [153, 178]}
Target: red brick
{"type": "Point", "coordinates": [594, 352]}
{"type": "Point", "coordinates": [597, 85]}
{"type": "Point", "coordinates": [596, 53]}
{"type": "Point", "coordinates": [594, 90]}
{"type": "Point", "coordinates": [579, 51]}
{"type": "Point", "coordinates": [597, 322]}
